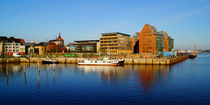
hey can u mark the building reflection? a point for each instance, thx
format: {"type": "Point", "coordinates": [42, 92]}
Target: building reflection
{"type": "Point", "coordinates": [107, 74]}
{"type": "Point", "coordinates": [7, 70]}
{"type": "Point", "coordinates": [151, 74]}
{"type": "Point", "coordinates": [148, 75]}
{"type": "Point", "coordinates": [25, 80]}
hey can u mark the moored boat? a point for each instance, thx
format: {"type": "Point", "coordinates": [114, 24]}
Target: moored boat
{"type": "Point", "coordinates": [49, 61]}
{"type": "Point", "coordinates": [104, 62]}
{"type": "Point", "coordinates": [193, 55]}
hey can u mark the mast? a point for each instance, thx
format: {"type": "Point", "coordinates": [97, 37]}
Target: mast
{"type": "Point", "coordinates": [195, 49]}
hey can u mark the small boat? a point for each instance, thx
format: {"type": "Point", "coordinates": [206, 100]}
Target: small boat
{"type": "Point", "coordinates": [193, 55]}
{"type": "Point", "coordinates": [104, 62]}
{"type": "Point", "coordinates": [49, 61]}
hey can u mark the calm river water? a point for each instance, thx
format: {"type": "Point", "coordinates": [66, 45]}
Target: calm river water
{"type": "Point", "coordinates": [187, 82]}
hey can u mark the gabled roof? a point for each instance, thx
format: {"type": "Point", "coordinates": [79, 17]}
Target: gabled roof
{"type": "Point", "coordinates": [153, 28]}
{"type": "Point", "coordinates": [59, 37]}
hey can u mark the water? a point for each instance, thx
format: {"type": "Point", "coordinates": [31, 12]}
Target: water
{"type": "Point", "coordinates": [184, 83]}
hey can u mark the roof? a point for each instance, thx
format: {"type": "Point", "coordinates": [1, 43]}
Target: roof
{"type": "Point", "coordinates": [83, 41]}
{"type": "Point", "coordinates": [11, 39]}
{"type": "Point", "coordinates": [42, 43]}
{"type": "Point", "coordinates": [113, 34]}
{"type": "Point", "coordinates": [30, 44]}
{"type": "Point", "coordinates": [153, 28]}
{"type": "Point", "coordinates": [59, 37]}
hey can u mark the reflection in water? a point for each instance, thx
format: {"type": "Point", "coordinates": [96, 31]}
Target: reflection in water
{"type": "Point", "coordinates": [7, 70]}
{"type": "Point", "coordinates": [107, 74]}
{"type": "Point", "coordinates": [183, 83]}
{"type": "Point", "coordinates": [149, 74]}
{"type": "Point", "coordinates": [54, 73]}
{"type": "Point", "coordinates": [25, 81]}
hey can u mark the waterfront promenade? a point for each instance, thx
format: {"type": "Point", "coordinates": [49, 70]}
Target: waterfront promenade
{"type": "Point", "coordinates": [74, 60]}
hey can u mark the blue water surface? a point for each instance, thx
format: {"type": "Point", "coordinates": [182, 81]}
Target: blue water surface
{"type": "Point", "coordinates": [187, 82]}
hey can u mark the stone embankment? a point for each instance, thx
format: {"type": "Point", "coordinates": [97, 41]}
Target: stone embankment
{"type": "Point", "coordinates": [139, 61]}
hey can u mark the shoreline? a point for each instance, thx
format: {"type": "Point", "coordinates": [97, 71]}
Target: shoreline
{"type": "Point", "coordinates": [128, 61]}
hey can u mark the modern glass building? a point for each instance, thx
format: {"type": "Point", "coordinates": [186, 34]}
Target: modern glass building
{"type": "Point", "coordinates": [116, 43]}
{"type": "Point", "coordinates": [159, 42]}
{"type": "Point", "coordinates": [170, 43]}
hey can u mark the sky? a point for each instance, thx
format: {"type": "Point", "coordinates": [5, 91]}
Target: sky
{"type": "Point", "coordinates": [187, 21]}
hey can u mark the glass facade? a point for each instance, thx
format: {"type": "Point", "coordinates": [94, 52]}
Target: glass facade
{"type": "Point", "coordinates": [159, 43]}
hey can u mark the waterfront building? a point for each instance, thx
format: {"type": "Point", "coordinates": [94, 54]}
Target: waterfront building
{"type": "Point", "coordinates": [83, 46]}
{"type": "Point", "coordinates": [116, 43]}
{"type": "Point", "coordinates": [1, 48]}
{"type": "Point", "coordinates": [147, 39]}
{"type": "Point", "coordinates": [170, 43]}
{"type": "Point", "coordinates": [160, 45]}
{"type": "Point", "coordinates": [150, 41]}
{"type": "Point", "coordinates": [30, 47]}
{"type": "Point", "coordinates": [56, 46]}
{"type": "Point", "coordinates": [12, 45]}
{"type": "Point", "coordinates": [41, 48]}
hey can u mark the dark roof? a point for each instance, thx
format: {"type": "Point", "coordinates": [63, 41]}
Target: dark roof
{"type": "Point", "coordinates": [30, 44]}
{"type": "Point", "coordinates": [11, 39]}
{"type": "Point", "coordinates": [114, 33]}
{"type": "Point", "coordinates": [83, 41]}
{"type": "Point", "coordinates": [42, 43]}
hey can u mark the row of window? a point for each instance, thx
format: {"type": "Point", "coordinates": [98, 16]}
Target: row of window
{"type": "Point", "coordinates": [108, 38]}
{"type": "Point", "coordinates": [10, 44]}
{"type": "Point", "coordinates": [122, 48]}
{"type": "Point", "coordinates": [147, 41]}
{"type": "Point", "coordinates": [115, 41]}
{"type": "Point", "coordinates": [147, 51]}
{"type": "Point", "coordinates": [147, 35]}
{"type": "Point", "coordinates": [147, 38]}
{"type": "Point", "coordinates": [11, 47]}
{"type": "Point", "coordinates": [146, 32]}
{"type": "Point", "coordinates": [147, 44]}
{"type": "Point", "coordinates": [109, 45]}
{"type": "Point", "coordinates": [147, 47]}
{"type": "Point", "coordinates": [12, 50]}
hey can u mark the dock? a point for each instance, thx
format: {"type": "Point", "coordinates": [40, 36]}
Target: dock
{"type": "Point", "coordinates": [75, 60]}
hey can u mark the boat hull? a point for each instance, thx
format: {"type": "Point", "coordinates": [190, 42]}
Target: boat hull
{"type": "Point", "coordinates": [50, 62]}
{"type": "Point", "coordinates": [192, 56]}
{"type": "Point", "coordinates": [121, 63]}
{"type": "Point", "coordinates": [115, 64]}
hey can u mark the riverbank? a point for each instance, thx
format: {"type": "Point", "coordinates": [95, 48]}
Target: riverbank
{"type": "Point", "coordinates": [74, 60]}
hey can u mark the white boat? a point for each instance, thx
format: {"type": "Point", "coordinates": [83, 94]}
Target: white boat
{"type": "Point", "coordinates": [49, 61]}
{"type": "Point", "coordinates": [104, 62]}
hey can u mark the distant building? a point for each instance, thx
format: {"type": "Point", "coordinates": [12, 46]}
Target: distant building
{"type": "Point", "coordinates": [83, 46]}
{"type": "Point", "coordinates": [56, 46]}
{"type": "Point", "coordinates": [11, 45]}
{"type": "Point", "coordinates": [150, 41]}
{"type": "Point", "coordinates": [116, 43]}
{"type": "Point", "coordinates": [30, 48]}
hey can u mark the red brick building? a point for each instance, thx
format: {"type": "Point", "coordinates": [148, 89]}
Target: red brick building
{"type": "Point", "coordinates": [150, 41]}
{"type": "Point", "coordinates": [147, 39]}
{"type": "Point", "coordinates": [56, 46]}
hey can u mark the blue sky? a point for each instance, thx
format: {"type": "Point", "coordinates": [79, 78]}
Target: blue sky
{"type": "Point", "coordinates": [187, 21]}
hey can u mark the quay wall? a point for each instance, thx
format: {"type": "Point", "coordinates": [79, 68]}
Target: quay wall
{"type": "Point", "coordinates": [74, 60]}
